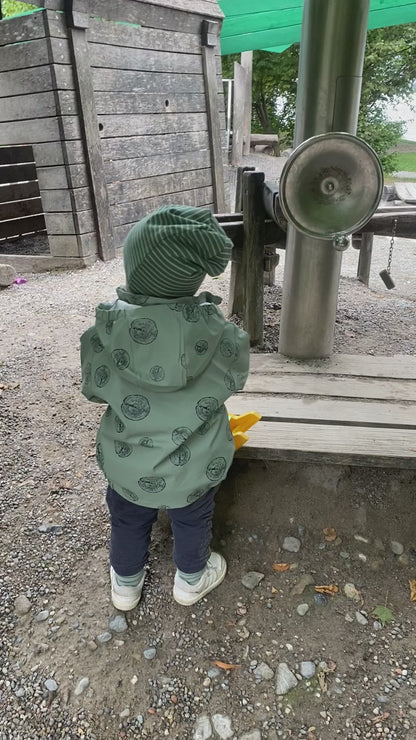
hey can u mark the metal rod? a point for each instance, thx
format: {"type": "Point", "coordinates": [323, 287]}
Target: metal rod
{"type": "Point", "coordinates": [330, 70]}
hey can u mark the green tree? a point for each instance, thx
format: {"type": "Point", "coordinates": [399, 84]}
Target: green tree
{"type": "Point", "coordinates": [12, 7]}
{"type": "Point", "coordinates": [388, 76]}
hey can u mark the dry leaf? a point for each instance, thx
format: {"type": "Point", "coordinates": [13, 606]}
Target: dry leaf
{"type": "Point", "coordinates": [275, 590]}
{"type": "Point", "coordinates": [330, 590]}
{"type": "Point", "coordinates": [381, 717]}
{"type": "Point", "coordinates": [226, 666]}
{"type": "Point", "coordinates": [331, 666]}
{"type": "Point", "coordinates": [280, 567]}
{"type": "Point", "coordinates": [151, 710]}
{"type": "Point", "coordinates": [322, 681]}
{"type": "Point", "coordinates": [330, 534]}
{"type": "Point", "coordinates": [412, 585]}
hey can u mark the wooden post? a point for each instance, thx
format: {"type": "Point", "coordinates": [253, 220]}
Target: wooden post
{"type": "Point", "coordinates": [77, 24]}
{"type": "Point", "coordinates": [236, 291]}
{"type": "Point", "coordinates": [247, 64]}
{"type": "Point", "coordinates": [364, 259]}
{"type": "Point", "coordinates": [210, 35]}
{"type": "Point", "coordinates": [240, 75]}
{"type": "Point", "coordinates": [253, 255]}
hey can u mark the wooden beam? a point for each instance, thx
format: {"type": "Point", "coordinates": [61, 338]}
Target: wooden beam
{"type": "Point", "coordinates": [210, 36]}
{"type": "Point", "coordinates": [89, 126]}
{"type": "Point", "coordinates": [253, 255]}
{"type": "Point", "coordinates": [240, 75]}
{"type": "Point", "coordinates": [236, 289]}
{"type": "Point", "coordinates": [247, 64]}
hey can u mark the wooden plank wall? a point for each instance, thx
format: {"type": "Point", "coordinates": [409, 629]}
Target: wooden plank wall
{"type": "Point", "coordinates": [149, 94]}
{"type": "Point", "coordinates": [38, 107]}
{"type": "Point", "coordinates": [20, 203]}
{"type": "Point", "coordinates": [151, 105]}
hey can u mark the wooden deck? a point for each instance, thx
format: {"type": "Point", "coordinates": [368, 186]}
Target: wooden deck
{"type": "Point", "coordinates": [348, 410]}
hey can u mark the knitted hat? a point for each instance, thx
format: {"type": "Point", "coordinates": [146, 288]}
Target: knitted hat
{"type": "Point", "coordinates": [169, 252]}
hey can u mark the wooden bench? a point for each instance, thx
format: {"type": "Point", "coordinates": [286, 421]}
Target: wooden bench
{"type": "Point", "coordinates": [266, 140]}
{"type": "Point", "coordinates": [347, 410]}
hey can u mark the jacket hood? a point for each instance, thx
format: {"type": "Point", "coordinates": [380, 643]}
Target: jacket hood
{"type": "Point", "coordinates": [159, 343]}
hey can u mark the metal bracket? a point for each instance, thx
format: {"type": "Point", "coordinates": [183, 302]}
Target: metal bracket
{"type": "Point", "coordinates": [209, 33]}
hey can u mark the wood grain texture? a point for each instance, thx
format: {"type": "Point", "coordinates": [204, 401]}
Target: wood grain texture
{"type": "Point", "coordinates": [148, 187]}
{"type": "Point", "coordinates": [332, 386]}
{"type": "Point", "coordinates": [156, 144]}
{"type": "Point", "coordinates": [103, 32]}
{"type": "Point", "coordinates": [131, 81]}
{"type": "Point", "coordinates": [366, 366]}
{"type": "Point", "coordinates": [132, 169]}
{"type": "Point", "coordinates": [129, 213]}
{"type": "Point", "coordinates": [143, 60]}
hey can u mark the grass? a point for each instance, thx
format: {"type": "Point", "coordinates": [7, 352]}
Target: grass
{"type": "Point", "coordinates": [406, 161]}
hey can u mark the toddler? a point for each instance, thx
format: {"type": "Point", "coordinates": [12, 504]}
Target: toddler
{"type": "Point", "coordinates": [164, 360]}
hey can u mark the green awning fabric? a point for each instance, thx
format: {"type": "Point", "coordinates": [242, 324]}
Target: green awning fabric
{"type": "Point", "coordinates": [273, 25]}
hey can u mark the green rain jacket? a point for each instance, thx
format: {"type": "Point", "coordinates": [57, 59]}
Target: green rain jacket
{"type": "Point", "coordinates": [164, 367]}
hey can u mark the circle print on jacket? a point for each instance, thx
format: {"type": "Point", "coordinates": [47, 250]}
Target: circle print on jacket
{"type": "Point", "coordinates": [216, 468]}
{"type": "Point", "coordinates": [230, 382]}
{"type": "Point", "coordinates": [180, 435]}
{"type": "Point", "coordinates": [143, 331]}
{"type": "Point", "coordinates": [135, 407]}
{"type": "Point", "coordinates": [96, 343]}
{"type": "Point", "coordinates": [152, 484]}
{"type": "Point", "coordinates": [206, 407]}
{"type": "Point", "coordinates": [121, 358]}
{"type": "Point", "coordinates": [131, 495]}
{"type": "Point", "coordinates": [227, 348]}
{"type": "Point", "coordinates": [122, 448]}
{"type": "Point", "coordinates": [196, 495]}
{"type": "Point", "coordinates": [146, 442]}
{"type": "Point", "coordinates": [87, 372]}
{"type": "Point", "coordinates": [191, 312]}
{"type": "Point", "coordinates": [120, 427]}
{"type": "Point", "coordinates": [102, 376]}
{"type": "Point", "coordinates": [180, 456]}
{"type": "Point", "coordinates": [201, 346]}
{"type": "Point", "coordinates": [99, 455]}
{"type": "Point", "coordinates": [157, 373]}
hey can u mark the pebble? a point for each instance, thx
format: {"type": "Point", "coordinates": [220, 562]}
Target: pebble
{"type": "Point", "coordinates": [7, 275]}
{"type": "Point", "coordinates": [291, 544]}
{"type": "Point", "coordinates": [203, 728]}
{"type": "Point", "coordinates": [42, 616]}
{"type": "Point", "coordinates": [301, 530]}
{"type": "Point", "coordinates": [412, 704]}
{"type": "Point", "coordinates": [213, 673]}
{"type": "Point", "coordinates": [307, 669]}
{"type": "Point", "coordinates": [306, 579]}
{"type": "Point", "coordinates": [320, 599]}
{"type": "Point", "coordinates": [222, 726]}
{"type": "Point", "coordinates": [252, 579]}
{"type": "Point", "coordinates": [149, 653]}
{"type": "Point", "coordinates": [118, 623]}
{"type": "Point", "coordinates": [403, 559]}
{"type": "Point", "coordinates": [397, 547]}
{"type": "Point", "coordinates": [104, 637]}
{"type": "Point", "coordinates": [263, 672]}
{"type": "Point", "coordinates": [22, 605]}
{"type": "Point", "coordinates": [344, 554]}
{"type": "Point", "coordinates": [253, 735]}
{"type": "Point", "coordinates": [285, 679]}
{"type": "Point", "coordinates": [51, 685]}
{"type": "Point", "coordinates": [20, 693]}
{"type": "Point", "coordinates": [351, 592]}
{"type": "Point", "coordinates": [82, 684]}
{"type": "Point", "coordinates": [46, 528]}
{"type": "Point", "coordinates": [91, 645]}
{"type": "Point", "coordinates": [302, 609]}
{"type": "Point", "coordinates": [124, 713]}
{"type": "Point", "coordinates": [361, 619]}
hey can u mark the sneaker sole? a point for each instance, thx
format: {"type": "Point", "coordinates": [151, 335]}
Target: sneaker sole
{"type": "Point", "coordinates": [198, 596]}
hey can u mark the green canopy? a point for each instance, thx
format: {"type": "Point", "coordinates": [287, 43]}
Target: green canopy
{"type": "Point", "coordinates": [273, 25]}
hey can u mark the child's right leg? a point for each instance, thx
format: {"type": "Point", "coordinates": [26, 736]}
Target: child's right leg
{"type": "Point", "coordinates": [131, 527]}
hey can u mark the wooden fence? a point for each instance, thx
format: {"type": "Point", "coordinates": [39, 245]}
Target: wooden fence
{"type": "Point", "coordinates": [21, 210]}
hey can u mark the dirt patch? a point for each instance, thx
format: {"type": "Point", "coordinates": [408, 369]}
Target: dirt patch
{"type": "Point", "coordinates": [54, 531]}
{"type": "Point", "coordinates": [36, 244]}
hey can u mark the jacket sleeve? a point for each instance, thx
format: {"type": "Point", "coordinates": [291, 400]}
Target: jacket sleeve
{"type": "Point", "coordinates": [233, 357]}
{"type": "Point", "coordinates": [87, 356]}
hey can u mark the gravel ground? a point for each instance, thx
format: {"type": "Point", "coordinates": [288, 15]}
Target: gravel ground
{"type": "Point", "coordinates": [301, 664]}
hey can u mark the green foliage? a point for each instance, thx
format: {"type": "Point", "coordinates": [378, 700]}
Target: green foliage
{"type": "Point", "coordinates": [384, 615]}
{"type": "Point", "coordinates": [12, 7]}
{"type": "Point", "coordinates": [388, 76]}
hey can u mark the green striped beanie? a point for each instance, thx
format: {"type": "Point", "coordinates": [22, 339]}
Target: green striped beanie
{"type": "Point", "coordinates": [169, 252]}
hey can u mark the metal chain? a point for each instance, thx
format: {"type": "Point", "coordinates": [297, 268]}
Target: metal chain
{"type": "Point", "coordinates": [393, 235]}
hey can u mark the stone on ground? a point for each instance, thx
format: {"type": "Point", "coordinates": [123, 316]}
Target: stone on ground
{"type": "Point", "coordinates": [285, 679]}
{"type": "Point", "coordinates": [7, 275]}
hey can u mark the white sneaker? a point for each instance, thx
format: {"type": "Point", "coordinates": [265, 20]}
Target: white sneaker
{"type": "Point", "coordinates": [212, 576]}
{"type": "Point", "coordinates": [125, 598]}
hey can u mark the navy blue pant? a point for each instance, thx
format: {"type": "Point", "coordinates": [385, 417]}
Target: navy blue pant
{"type": "Point", "coordinates": [131, 527]}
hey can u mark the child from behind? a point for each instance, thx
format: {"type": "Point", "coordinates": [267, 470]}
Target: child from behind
{"type": "Point", "coordinates": [164, 361]}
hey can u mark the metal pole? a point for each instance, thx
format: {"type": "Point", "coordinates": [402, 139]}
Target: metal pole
{"type": "Point", "coordinates": [330, 69]}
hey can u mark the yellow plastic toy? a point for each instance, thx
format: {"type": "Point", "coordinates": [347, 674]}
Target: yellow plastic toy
{"type": "Point", "coordinates": [240, 424]}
